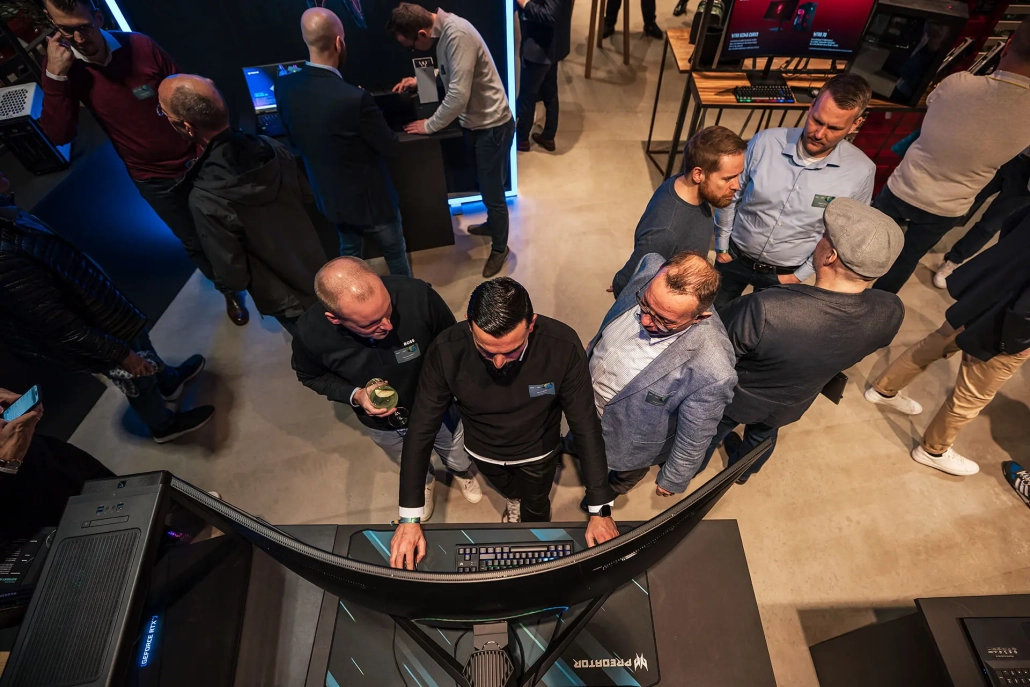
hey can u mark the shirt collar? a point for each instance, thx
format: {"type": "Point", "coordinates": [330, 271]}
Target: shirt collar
{"type": "Point", "coordinates": [1009, 77]}
{"type": "Point", "coordinates": [791, 150]}
{"type": "Point", "coordinates": [326, 67]}
{"type": "Point", "coordinates": [112, 45]}
{"type": "Point", "coordinates": [441, 17]}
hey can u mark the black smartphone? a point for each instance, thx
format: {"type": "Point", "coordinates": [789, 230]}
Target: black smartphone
{"type": "Point", "coordinates": [29, 400]}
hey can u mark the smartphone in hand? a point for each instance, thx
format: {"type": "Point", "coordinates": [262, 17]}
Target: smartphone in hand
{"type": "Point", "coordinates": [29, 400]}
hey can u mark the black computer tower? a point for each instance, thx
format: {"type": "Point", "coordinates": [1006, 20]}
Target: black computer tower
{"type": "Point", "coordinates": [135, 593]}
{"type": "Point", "coordinates": [904, 45]}
{"type": "Point", "coordinates": [20, 109]}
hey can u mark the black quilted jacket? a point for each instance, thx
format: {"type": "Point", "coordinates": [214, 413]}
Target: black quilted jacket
{"type": "Point", "coordinates": [56, 304]}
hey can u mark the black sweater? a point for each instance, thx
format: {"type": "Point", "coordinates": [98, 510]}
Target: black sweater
{"type": "Point", "coordinates": [333, 361]}
{"type": "Point", "coordinates": [511, 421]}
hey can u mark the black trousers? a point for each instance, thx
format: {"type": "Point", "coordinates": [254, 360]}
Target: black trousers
{"type": "Point", "coordinates": [735, 277]}
{"type": "Point", "coordinates": [754, 435]}
{"type": "Point", "coordinates": [537, 82]}
{"type": "Point", "coordinates": [530, 482]}
{"type": "Point", "coordinates": [172, 206]}
{"type": "Point", "coordinates": [925, 229]}
{"type": "Point", "coordinates": [1010, 183]}
{"type": "Point", "coordinates": [647, 11]}
{"type": "Point", "coordinates": [53, 471]}
{"type": "Point", "coordinates": [489, 150]}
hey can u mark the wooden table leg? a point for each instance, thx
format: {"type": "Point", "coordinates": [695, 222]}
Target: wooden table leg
{"type": "Point", "coordinates": [625, 31]}
{"type": "Point", "coordinates": [600, 24]}
{"type": "Point", "coordinates": [590, 36]}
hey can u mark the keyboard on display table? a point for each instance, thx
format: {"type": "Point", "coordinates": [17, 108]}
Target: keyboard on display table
{"type": "Point", "coordinates": [485, 557]}
{"type": "Point", "coordinates": [763, 94]}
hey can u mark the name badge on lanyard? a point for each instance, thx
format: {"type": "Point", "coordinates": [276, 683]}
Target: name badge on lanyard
{"type": "Point", "coordinates": [538, 390]}
{"type": "Point", "coordinates": [143, 92]}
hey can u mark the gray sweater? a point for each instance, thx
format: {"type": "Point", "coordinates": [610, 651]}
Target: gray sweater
{"type": "Point", "coordinates": [475, 94]}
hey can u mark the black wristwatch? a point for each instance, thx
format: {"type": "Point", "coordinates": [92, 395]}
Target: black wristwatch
{"type": "Point", "coordinates": [605, 512]}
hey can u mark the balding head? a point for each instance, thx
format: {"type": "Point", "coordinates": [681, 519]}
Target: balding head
{"type": "Point", "coordinates": [323, 34]}
{"type": "Point", "coordinates": [194, 106]}
{"type": "Point", "coordinates": [354, 297]}
{"type": "Point", "coordinates": [681, 293]}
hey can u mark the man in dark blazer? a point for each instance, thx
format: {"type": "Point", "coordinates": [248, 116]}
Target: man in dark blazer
{"type": "Point", "coordinates": [990, 324]}
{"type": "Point", "coordinates": [344, 140]}
{"type": "Point", "coordinates": [546, 36]}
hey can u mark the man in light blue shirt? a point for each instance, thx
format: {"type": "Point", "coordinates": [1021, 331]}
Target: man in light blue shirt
{"type": "Point", "coordinates": [768, 234]}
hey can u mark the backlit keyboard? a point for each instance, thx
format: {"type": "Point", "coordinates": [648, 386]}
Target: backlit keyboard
{"type": "Point", "coordinates": [763, 94]}
{"type": "Point", "coordinates": [485, 557]}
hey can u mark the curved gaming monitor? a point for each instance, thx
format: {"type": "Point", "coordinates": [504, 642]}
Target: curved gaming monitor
{"type": "Point", "coordinates": [479, 596]}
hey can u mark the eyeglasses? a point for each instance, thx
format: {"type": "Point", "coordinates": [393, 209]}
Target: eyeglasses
{"type": "Point", "coordinates": [659, 324]}
{"type": "Point", "coordinates": [85, 30]}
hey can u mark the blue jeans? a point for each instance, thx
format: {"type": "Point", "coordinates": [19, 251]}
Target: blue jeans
{"type": "Point", "coordinates": [489, 150]}
{"type": "Point", "coordinates": [149, 404]}
{"type": "Point", "coordinates": [753, 436]}
{"type": "Point", "coordinates": [1010, 183]}
{"type": "Point", "coordinates": [390, 238]}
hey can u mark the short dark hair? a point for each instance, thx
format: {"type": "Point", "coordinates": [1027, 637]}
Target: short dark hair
{"type": "Point", "coordinates": [690, 274]}
{"type": "Point", "coordinates": [407, 19]}
{"type": "Point", "coordinates": [499, 305]}
{"type": "Point", "coordinates": [849, 92]}
{"type": "Point", "coordinates": [70, 5]}
{"type": "Point", "coordinates": [204, 113]}
{"type": "Point", "coordinates": [706, 148]}
{"type": "Point", "coordinates": [1020, 44]}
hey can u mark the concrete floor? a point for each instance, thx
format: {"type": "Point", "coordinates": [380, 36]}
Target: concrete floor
{"type": "Point", "coordinates": [841, 528]}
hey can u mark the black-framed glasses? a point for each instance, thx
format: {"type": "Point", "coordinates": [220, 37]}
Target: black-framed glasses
{"type": "Point", "coordinates": [84, 30]}
{"type": "Point", "coordinates": [644, 310]}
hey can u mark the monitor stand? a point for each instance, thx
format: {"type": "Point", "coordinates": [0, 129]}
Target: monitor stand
{"type": "Point", "coordinates": [766, 77]}
{"type": "Point", "coordinates": [606, 641]}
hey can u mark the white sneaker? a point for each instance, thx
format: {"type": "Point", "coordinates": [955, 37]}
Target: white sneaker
{"type": "Point", "coordinates": [940, 279]}
{"type": "Point", "coordinates": [899, 402]}
{"type": "Point", "coordinates": [428, 510]}
{"type": "Point", "coordinates": [512, 511]}
{"type": "Point", "coordinates": [469, 489]}
{"type": "Point", "coordinates": [951, 462]}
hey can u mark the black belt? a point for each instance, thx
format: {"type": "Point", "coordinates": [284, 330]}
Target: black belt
{"type": "Point", "coordinates": [759, 267]}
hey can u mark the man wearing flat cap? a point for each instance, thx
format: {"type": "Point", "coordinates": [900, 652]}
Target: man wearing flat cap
{"type": "Point", "coordinates": [792, 340]}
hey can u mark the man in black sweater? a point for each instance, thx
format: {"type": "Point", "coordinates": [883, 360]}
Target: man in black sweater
{"type": "Point", "coordinates": [990, 324]}
{"type": "Point", "coordinates": [512, 373]}
{"type": "Point", "coordinates": [365, 328]}
{"type": "Point", "coordinates": [679, 216]}
{"type": "Point", "coordinates": [793, 339]}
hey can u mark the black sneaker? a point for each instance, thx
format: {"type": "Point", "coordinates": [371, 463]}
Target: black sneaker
{"type": "Point", "coordinates": [609, 31]}
{"type": "Point", "coordinates": [495, 262]}
{"type": "Point", "coordinates": [680, 9]}
{"type": "Point", "coordinates": [1019, 479]}
{"type": "Point", "coordinates": [654, 31]}
{"type": "Point", "coordinates": [479, 229]}
{"type": "Point", "coordinates": [184, 423]}
{"type": "Point", "coordinates": [187, 372]}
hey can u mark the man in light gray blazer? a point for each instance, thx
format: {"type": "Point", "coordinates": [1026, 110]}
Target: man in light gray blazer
{"type": "Point", "coordinates": [662, 371]}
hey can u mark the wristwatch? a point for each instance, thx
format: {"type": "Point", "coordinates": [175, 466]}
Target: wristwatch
{"type": "Point", "coordinates": [409, 521]}
{"type": "Point", "coordinates": [10, 466]}
{"type": "Point", "coordinates": [605, 512]}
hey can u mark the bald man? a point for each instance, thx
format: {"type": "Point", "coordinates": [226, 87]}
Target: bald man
{"type": "Point", "coordinates": [345, 141]}
{"type": "Point", "coordinates": [247, 198]}
{"type": "Point", "coordinates": [364, 328]}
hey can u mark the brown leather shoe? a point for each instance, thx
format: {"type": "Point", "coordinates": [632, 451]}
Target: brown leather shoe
{"type": "Point", "coordinates": [545, 143]}
{"type": "Point", "coordinates": [236, 310]}
{"type": "Point", "coordinates": [482, 229]}
{"type": "Point", "coordinates": [495, 262]}
{"type": "Point", "coordinates": [523, 146]}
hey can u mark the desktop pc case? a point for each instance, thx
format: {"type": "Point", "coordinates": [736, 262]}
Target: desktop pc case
{"type": "Point", "coordinates": [20, 109]}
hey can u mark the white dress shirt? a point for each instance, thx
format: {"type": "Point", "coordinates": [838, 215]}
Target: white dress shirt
{"type": "Point", "coordinates": [623, 352]}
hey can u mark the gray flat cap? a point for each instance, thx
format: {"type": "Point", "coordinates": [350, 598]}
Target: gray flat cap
{"type": "Point", "coordinates": [867, 241]}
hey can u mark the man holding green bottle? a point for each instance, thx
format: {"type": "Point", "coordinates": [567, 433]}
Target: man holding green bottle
{"type": "Point", "coordinates": [364, 340]}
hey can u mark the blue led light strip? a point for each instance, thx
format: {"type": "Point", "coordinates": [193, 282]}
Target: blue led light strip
{"type": "Point", "coordinates": [116, 12]}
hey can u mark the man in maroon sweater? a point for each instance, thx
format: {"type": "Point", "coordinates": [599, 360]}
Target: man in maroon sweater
{"type": "Point", "coordinates": [116, 76]}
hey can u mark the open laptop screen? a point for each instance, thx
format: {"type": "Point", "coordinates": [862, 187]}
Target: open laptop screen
{"type": "Point", "coordinates": [261, 83]}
